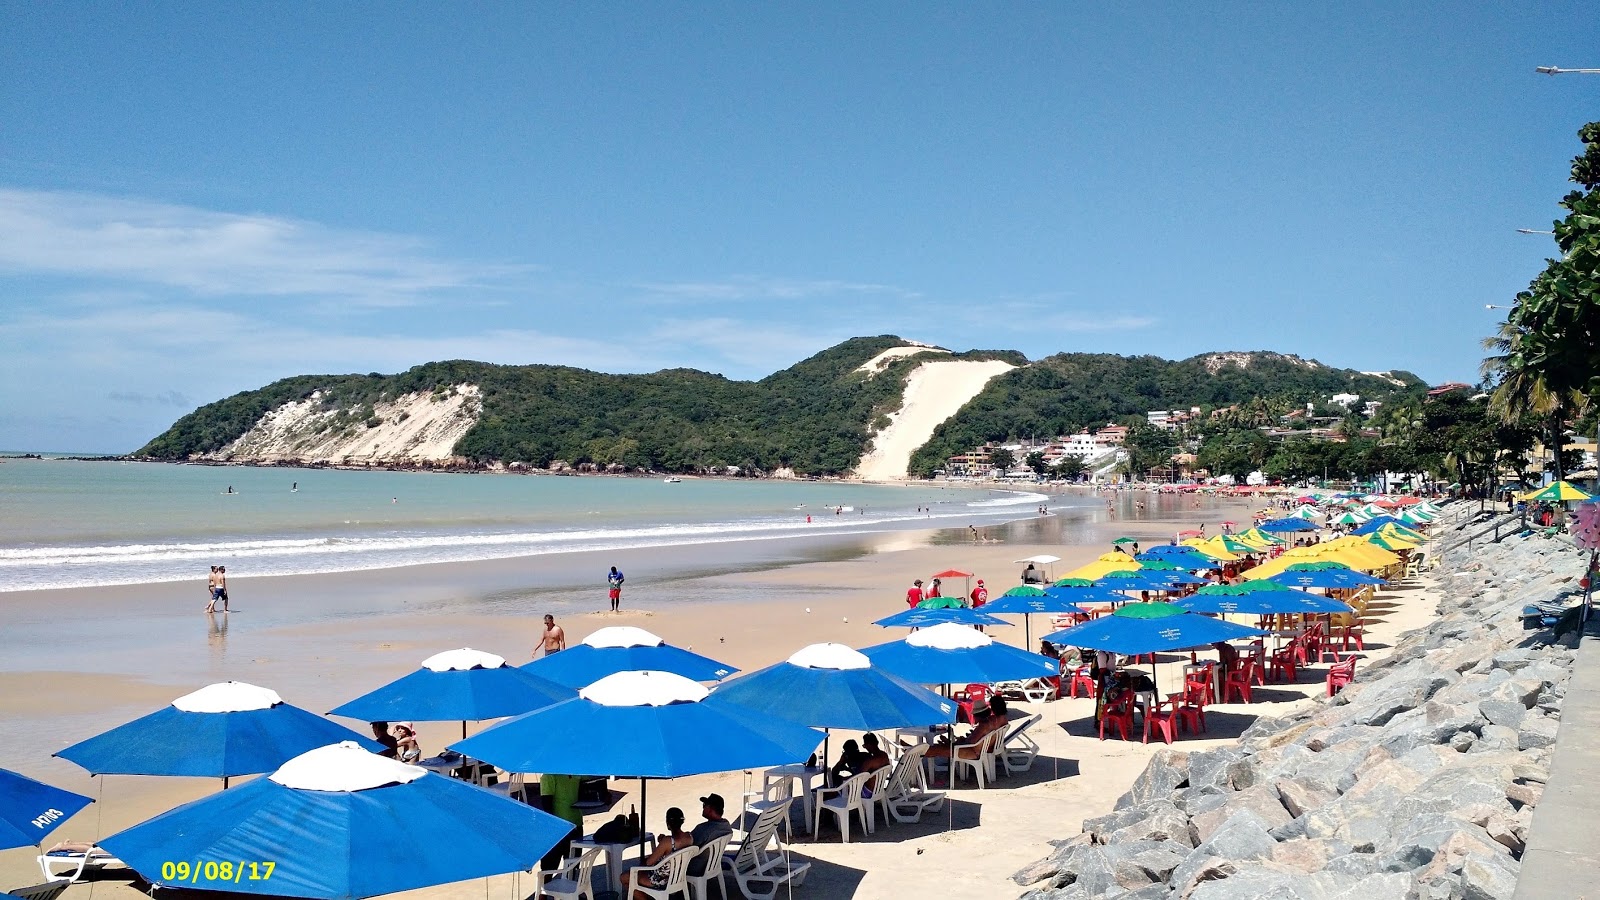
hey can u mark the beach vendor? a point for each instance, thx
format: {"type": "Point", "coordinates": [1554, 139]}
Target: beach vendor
{"type": "Point", "coordinates": [980, 595]}
{"type": "Point", "coordinates": [558, 794]}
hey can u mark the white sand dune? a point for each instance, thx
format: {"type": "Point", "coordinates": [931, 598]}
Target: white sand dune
{"type": "Point", "coordinates": [880, 362]}
{"type": "Point", "coordinates": [413, 428]}
{"type": "Point", "coordinates": [934, 391]}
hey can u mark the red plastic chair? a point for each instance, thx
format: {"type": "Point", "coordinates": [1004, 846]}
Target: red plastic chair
{"type": "Point", "coordinates": [971, 702]}
{"type": "Point", "coordinates": [1081, 678]}
{"type": "Point", "coordinates": [1203, 681]}
{"type": "Point", "coordinates": [1340, 675]}
{"type": "Point", "coordinates": [1120, 714]}
{"type": "Point", "coordinates": [1163, 721]}
{"type": "Point", "coordinates": [1238, 681]}
{"type": "Point", "coordinates": [1284, 663]}
{"type": "Point", "coordinates": [1351, 634]}
{"type": "Point", "coordinates": [1190, 709]}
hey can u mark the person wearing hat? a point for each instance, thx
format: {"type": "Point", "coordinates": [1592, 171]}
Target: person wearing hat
{"type": "Point", "coordinates": [713, 827]}
{"type": "Point", "coordinates": [980, 595]}
{"type": "Point", "coordinates": [405, 737]}
{"type": "Point", "coordinates": [676, 839]}
{"type": "Point", "coordinates": [914, 594]}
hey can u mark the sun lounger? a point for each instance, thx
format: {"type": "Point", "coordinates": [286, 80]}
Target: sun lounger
{"type": "Point", "coordinates": [1033, 690]}
{"type": "Point", "coordinates": [906, 797]}
{"type": "Point", "coordinates": [75, 857]}
{"type": "Point", "coordinates": [1018, 750]}
{"type": "Point", "coordinates": [50, 890]}
{"type": "Point", "coordinates": [760, 865]}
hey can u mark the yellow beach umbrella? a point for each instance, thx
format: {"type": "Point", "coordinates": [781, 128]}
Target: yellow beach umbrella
{"type": "Point", "coordinates": [1216, 548]}
{"type": "Point", "coordinates": [1105, 564]}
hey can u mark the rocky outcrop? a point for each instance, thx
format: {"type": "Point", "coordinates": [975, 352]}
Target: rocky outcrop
{"type": "Point", "coordinates": [1416, 782]}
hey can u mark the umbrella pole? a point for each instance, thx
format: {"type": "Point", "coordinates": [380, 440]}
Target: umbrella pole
{"type": "Point", "coordinates": [1027, 635]}
{"type": "Point", "coordinates": [644, 811]}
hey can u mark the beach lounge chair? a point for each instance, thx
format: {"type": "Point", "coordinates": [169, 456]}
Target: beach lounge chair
{"type": "Point", "coordinates": [76, 857]}
{"type": "Point", "coordinates": [674, 868]}
{"type": "Point", "coordinates": [906, 797]}
{"type": "Point", "coordinates": [1034, 690]}
{"type": "Point", "coordinates": [778, 793]}
{"type": "Point", "coordinates": [700, 885]}
{"type": "Point", "coordinates": [758, 869]}
{"type": "Point", "coordinates": [843, 800]}
{"type": "Point", "coordinates": [1017, 749]}
{"type": "Point", "coordinates": [49, 890]}
{"type": "Point", "coordinates": [572, 880]}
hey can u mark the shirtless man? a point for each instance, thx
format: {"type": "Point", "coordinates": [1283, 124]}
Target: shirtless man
{"type": "Point", "coordinates": [214, 584]}
{"type": "Point", "coordinates": [555, 640]}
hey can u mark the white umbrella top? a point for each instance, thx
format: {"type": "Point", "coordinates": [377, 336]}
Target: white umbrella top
{"type": "Point", "coordinates": [229, 696]}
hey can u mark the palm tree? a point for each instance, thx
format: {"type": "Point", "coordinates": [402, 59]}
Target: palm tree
{"type": "Point", "coordinates": [1528, 395]}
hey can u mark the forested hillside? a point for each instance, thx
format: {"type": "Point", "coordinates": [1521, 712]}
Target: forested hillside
{"type": "Point", "coordinates": [814, 416]}
{"type": "Point", "coordinates": [1067, 392]}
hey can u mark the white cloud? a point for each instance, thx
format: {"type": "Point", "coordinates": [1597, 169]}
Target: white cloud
{"type": "Point", "coordinates": [756, 348]}
{"type": "Point", "coordinates": [214, 254]}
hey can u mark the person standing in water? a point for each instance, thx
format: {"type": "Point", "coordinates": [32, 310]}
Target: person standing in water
{"type": "Point", "coordinates": [614, 581]}
{"type": "Point", "coordinates": [213, 589]}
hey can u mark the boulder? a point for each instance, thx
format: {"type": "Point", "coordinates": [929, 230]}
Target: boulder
{"type": "Point", "coordinates": [1209, 768]}
{"type": "Point", "coordinates": [1051, 865]}
{"type": "Point", "coordinates": [1488, 878]}
{"type": "Point", "coordinates": [1524, 795]}
{"type": "Point", "coordinates": [1167, 771]}
{"type": "Point", "coordinates": [1507, 713]}
{"type": "Point", "coordinates": [1159, 821]}
{"type": "Point", "coordinates": [1537, 732]}
{"type": "Point", "coordinates": [1242, 837]}
{"type": "Point", "coordinates": [1299, 796]}
{"type": "Point", "coordinates": [1139, 863]}
{"type": "Point", "coordinates": [1248, 884]}
{"type": "Point", "coordinates": [1262, 800]}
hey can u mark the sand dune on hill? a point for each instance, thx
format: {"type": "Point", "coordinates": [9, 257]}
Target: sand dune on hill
{"type": "Point", "coordinates": [934, 391]}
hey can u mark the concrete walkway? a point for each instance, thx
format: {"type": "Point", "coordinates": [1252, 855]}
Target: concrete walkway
{"type": "Point", "coordinates": [1562, 858]}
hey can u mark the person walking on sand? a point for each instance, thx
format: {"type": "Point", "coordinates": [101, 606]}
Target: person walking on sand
{"type": "Point", "coordinates": [214, 589]}
{"type": "Point", "coordinates": [555, 640]}
{"type": "Point", "coordinates": [614, 586]}
{"type": "Point", "coordinates": [222, 582]}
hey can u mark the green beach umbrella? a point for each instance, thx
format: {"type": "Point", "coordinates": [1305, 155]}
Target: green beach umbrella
{"type": "Point", "coordinates": [941, 603]}
{"type": "Point", "coordinates": [1560, 492]}
{"type": "Point", "coordinates": [1028, 590]}
{"type": "Point", "coordinates": [1315, 566]}
{"type": "Point", "coordinates": [1149, 611]}
{"type": "Point", "coordinates": [1160, 565]}
{"type": "Point", "coordinates": [1073, 582]}
{"type": "Point", "coordinates": [1125, 540]}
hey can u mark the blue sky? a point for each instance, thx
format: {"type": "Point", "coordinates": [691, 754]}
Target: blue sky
{"type": "Point", "coordinates": [196, 199]}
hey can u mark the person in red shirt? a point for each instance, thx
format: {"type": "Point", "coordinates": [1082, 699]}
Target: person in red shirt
{"type": "Point", "coordinates": [980, 595]}
{"type": "Point", "coordinates": [914, 594]}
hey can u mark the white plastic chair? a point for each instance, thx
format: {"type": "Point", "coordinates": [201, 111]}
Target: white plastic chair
{"type": "Point", "coordinates": [759, 871]}
{"type": "Point", "coordinates": [1018, 751]}
{"type": "Point", "coordinates": [906, 797]}
{"type": "Point", "coordinates": [572, 880]}
{"type": "Point", "coordinates": [980, 759]}
{"type": "Point", "coordinates": [845, 799]}
{"type": "Point", "coordinates": [712, 853]}
{"type": "Point", "coordinates": [674, 868]}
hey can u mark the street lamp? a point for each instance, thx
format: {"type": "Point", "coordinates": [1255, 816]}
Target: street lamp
{"type": "Point", "coordinates": [1557, 70]}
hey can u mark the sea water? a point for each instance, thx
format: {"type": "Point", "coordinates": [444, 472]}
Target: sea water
{"type": "Point", "coordinates": [74, 523]}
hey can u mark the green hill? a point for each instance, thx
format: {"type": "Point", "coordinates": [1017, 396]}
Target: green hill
{"type": "Point", "coordinates": [816, 417]}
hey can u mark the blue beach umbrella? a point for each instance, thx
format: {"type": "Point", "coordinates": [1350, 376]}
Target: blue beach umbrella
{"type": "Point", "coordinates": [1324, 578]}
{"type": "Point", "coordinates": [30, 810]}
{"type": "Point", "coordinates": [1131, 580]}
{"type": "Point", "coordinates": [955, 654]}
{"type": "Point", "coordinates": [624, 649]}
{"type": "Point", "coordinates": [463, 685]}
{"type": "Point", "coordinates": [1291, 523]}
{"type": "Point", "coordinates": [1375, 523]}
{"type": "Point", "coordinates": [1056, 598]}
{"type": "Point", "coordinates": [643, 725]}
{"type": "Point", "coordinates": [922, 618]}
{"type": "Point", "coordinates": [833, 686]}
{"type": "Point", "coordinates": [220, 731]}
{"type": "Point", "coordinates": [338, 823]}
{"type": "Point", "coordinates": [1150, 628]}
{"type": "Point", "coordinates": [1180, 555]}
{"type": "Point", "coordinates": [1261, 603]}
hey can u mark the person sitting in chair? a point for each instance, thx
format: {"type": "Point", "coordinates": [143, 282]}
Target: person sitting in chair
{"type": "Point", "coordinates": [850, 760]}
{"type": "Point", "coordinates": [873, 757]}
{"type": "Point", "coordinates": [676, 839]}
{"type": "Point", "coordinates": [713, 827]}
{"type": "Point", "coordinates": [995, 720]}
{"type": "Point", "coordinates": [406, 745]}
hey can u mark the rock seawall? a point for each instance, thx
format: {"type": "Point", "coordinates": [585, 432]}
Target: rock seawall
{"type": "Point", "coordinates": [1416, 782]}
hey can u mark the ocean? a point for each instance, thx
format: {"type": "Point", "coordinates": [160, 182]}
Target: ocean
{"type": "Point", "coordinates": [73, 523]}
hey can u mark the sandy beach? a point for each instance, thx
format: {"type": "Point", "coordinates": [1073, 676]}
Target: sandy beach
{"type": "Point", "coordinates": [80, 661]}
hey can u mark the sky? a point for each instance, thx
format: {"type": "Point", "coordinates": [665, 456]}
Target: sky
{"type": "Point", "coordinates": [197, 199]}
